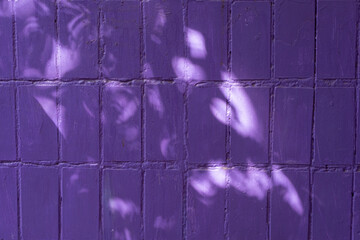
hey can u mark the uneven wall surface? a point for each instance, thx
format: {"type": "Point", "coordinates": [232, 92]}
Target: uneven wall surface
{"type": "Point", "coordinates": [159, 119]}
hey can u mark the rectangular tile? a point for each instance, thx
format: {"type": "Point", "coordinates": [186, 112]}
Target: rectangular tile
{"type": "Point", "coordinates": [121, 36]}
{"type": "Point", "coordinates": [206, 124]}
{"type": "Point", "coordinates": [206, 204]}
{"type": "Point", "coordinates": [249, 121]}
{"type": "Point", "coordinates": [164, 121]}
{"type": "Point", "coordinates": [79, 123]}
{"type": "Point", "coordinates": [334, 126]}
{"type": "Point", "coordinates": [122, 123]}
{"type": "Point", "coordinates": [331, 205]}
{"type": "Point", "coordinates": [248, 203]}
{"type": "Point", "coordinates": [39, 202]}
{"type": "Point", "coordinates": [80, 203]}
{"type": "Point", "coordinates": [38, 123]}
{"type": "Point", "coordinates": [290, 204]}
{"type": "Point", "coordinates": [292, 125]}
{"type": "Point", "coordinates": [7, 123]}
{"type": "Point", "coordinates": [207, 37]}
{"type": "Point", "coordinates": [78, 39]}
{"type": "Point", "coordinates": [36, 39]}
{"type": "Point", "coordinates": [294, 38]}
{"type": "Point", "coordinates": [336, 46]}
{"type": "Point", "coordinates": [8, 203]}
{"type": "Point", "coordinates": [164, 37]}
{"type": "Point", "coordinates": [251, 40]}
{"type": "Point", "coordinates": [163, 204]}
{"type": "Point", "coordinates": [121, 204]}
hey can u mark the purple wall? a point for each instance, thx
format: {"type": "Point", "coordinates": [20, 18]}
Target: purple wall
{"type": "Point", "coordinates": [179, 119]}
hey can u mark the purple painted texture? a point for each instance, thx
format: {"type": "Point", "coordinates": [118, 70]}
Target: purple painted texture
{"type": "Point", "coordinates": [36, 47]}
{"type": "Point", "coordinates": [334, 125]}
{"type": "Point", "coordinates": [290, 221]}
{"type": "Point", "coordinates": [8, 203]}
{"type": "Point", "coordinates": [294, 42]}
{"type": "Point", "coordinates": [7, 123]}
{"type": "Point", "coordinates": [331, 206]}
{"type": "Point", "coordinates": [38, 123]}
{"type": "Point", "coordinates": [164, 123]}
{"type": "Point", "coordinates": [356, 208]}
{"type": "Point", "coordinates": [249, 108]}
{"type": "Point", "coordinates": [39, 202]}
{"type": "Point", "coordinates": [292, 130]}
{"type": "Point", "coordinates": [247, 211]}
{"type": "Point", "coordinates": [79, 123]}
{"type": "Point", "coordinates": [163, 204]}
{"type": "Point", "coordinates": [121, 203]}
{"type": "Point", "coordinates": [179, 119]}
{"type": "Point", "coordinates": [206, 134]}
{"type": "Point", "coordinates": [6, 46]}
{"type": "Point", "coordinates": [336, 42]}
{"type": "Point", "coordinates": [121, 120]}
{"type": "Point", "coordinates": [80, 203]}
{"type": "Point", "coordinates": [205, 209]}
{"type": "Point", "coordinates": [120, 33]}
{"type": "Point", "coordinates": [251, 40]}
{"type": "Point", "coordinates": [214, 30]}
{"type": "Point", "coordinates": [164, 37]}
{"type": "Point", "coordinates": [78, 39]}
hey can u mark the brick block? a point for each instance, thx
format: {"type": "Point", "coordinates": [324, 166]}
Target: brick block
{"type": "Point", "coordinates": [334, 125]}
{"type": "Point", "coordinates": [121, 204]}
{"type": "Point", "coordinates": [331, 205]}
{"type": "Point", "coordinates": [294, 38]}
{"type": "Point", "coordinates": [336, 41]}
{"type": "Point", "coordinates": [212, 26]}
{"type": "Point", "coordinates": [206, 204]}
{"type": "Point", "coordinates": [39, 202]}
{"type": "Point", "coordinates": [80, 203]}
{"type": "Point", "coordinates": [164, 37]}
{"type": "Point", "coordinates": [38, 123]}
{"type": "Point", "coordinates": [247, 204]}
{"type": "Point", "coordinates": [290, 204]}
{"type": "Point", "coordinates": [78, 39]}
{"type": "Point", "coordinates": [358, 129]}
{"type": "Point", "coordinates": [249, 124]}
{"type": "Point", "coordinates": [206, 116]}
{"type": "Point", "coordinates": [121, 36]}
{"type": "Point", "coordinates": [122, 123]}
{"type": "Point", "coordinates": [163, 204]}
{"type": "Point", "coordinates": [36, 39]}
{"type": "Point", "coordinates": [292, 125]}
{"type": "Point", "coordinates": [251, 40]}
{"type": "Point", "coordinates": [79, 123]}
{"type": "Point", "coordinates": [8, 204]}
{"type": "Point", "coordinates": [6, 42]}
{"type": "Point", "coordinates": [356, 208]}
{"type": "Point", "coordinates": [164, 121]}
{"type": "Point", "coordinates": [7, 123]}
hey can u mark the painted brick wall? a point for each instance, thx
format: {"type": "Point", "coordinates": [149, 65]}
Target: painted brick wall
{"type": "Point", "coordinates": [170, 119]}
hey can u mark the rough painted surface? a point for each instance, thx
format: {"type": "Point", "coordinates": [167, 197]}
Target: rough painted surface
{"type": "Point", "coordinates": [179, 119]}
